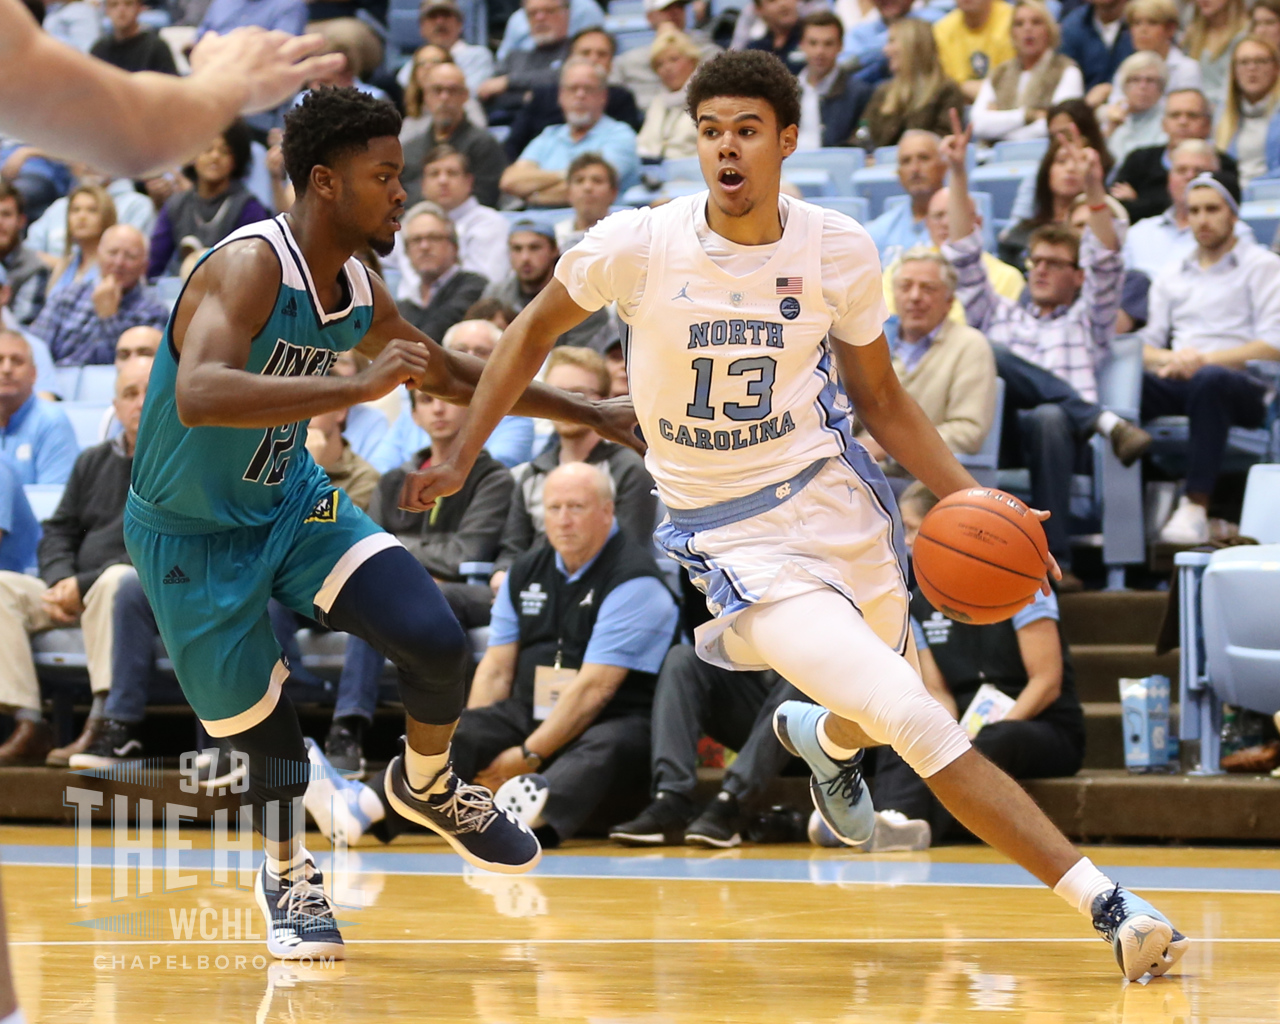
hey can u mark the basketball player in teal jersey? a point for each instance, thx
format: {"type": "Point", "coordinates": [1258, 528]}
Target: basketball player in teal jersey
{"type": "Point", "coordinates": [228, 510]}
{"type": "Point", "coordinates": [744, 312]}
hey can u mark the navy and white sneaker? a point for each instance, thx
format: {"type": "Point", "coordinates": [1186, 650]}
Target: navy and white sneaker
{"type": "Point", "coordinates": [300, 921]}
{"type": "Point", "coordinates": [482, 833]}
{"type": "Point", "coordinates": [1142, 938]}
{"type": "Point", "coordinates": [837, 787]}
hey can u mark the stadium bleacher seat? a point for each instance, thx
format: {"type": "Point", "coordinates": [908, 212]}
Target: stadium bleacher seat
{"type": "Point", "coordinates": [811, 181]}
{"type": "Point", "coordinates": [634, 39]}
{"type": "Point", "coordinates": [876, 185]}
{"type": "Point", "coordinates": [1261, 189]}
{"type": "Point", "coordinates": [1263, 215]}
{"type": "Point", "coordinates": [97, 384]}
{"type": "Point", "coordinates": [402, 26]}
{"type": "Point", "coordinates": [86, 420]}
{"type": "Point", "coordinates": [43, 499]}
{"type": "Point", "coordinates": [1027, 150]}
{"type": "Point", "coordinates": [68, 381]}
{"type": "Point", "coordinates": [167, 290]}
{"type": "Point", "coordinates": [855, 206]}
{"type": "Point", "coordinates": [687, 169]}
{"type": "Point", "coordinates": [1230, 649]}
{"type": "Point", "coordinates": [840, 162]}
{"type": "Point", "coordinates": [985, 462]}
{"type": "Point", "coordinates": [1001, 182]}
{"type": "Point", "coordinates": [885, 156]}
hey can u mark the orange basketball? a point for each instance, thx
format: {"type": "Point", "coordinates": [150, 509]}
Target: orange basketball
{"type": "Point", "coordinates": [980, 556]}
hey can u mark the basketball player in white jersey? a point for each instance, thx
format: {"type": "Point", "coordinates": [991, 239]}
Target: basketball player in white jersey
{"type": "Point", "coordinates": [744, 311]}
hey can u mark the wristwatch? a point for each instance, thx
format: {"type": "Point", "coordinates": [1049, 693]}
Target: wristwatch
{"type": "Point", "coordinates": [534, 761]}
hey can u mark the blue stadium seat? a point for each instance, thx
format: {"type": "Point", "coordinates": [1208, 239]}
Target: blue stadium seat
{"type": "Point", "coordinates": [1019, 152]}
{"type": "Point", "coordinates": [687, 169]}
{"type": "Point", "coordinates": [840, 161]}
{"type": "Point", "coordinates": [1261, 189]}
{"type": "Point", "coordinates": [43, 499]}
{"type": "Point", "coordinates": [86, 419]}
{"type": "Point", "coordinates": [811, 181]}
{"type": "Point", "coordinates": [632, 40]}
{"type": "Point", "coordinates": [167, 290]}
{"type": "Point", "coordinates": [876, 184]}
{"type": "Point", "coordinates": [1263, 216]}
{"type": "Point", "coordinates": [621, 23]}
{"type": "Point", "coordinates": [985, 462]}
{"type": "Point", "coordinates": [855, 206]}
{"type": "Point", "coordinates": [886, 156]}
{"type": "Point", "coordinates": [1001, 181]}
{"type": "Point", "coordinates": [500, 131]}
{"type": "Point", "coordinates": [97, 384]}
{"type": "Point", "coordinates": [68, 381]}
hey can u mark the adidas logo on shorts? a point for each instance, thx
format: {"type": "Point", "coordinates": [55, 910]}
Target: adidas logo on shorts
{"type": "Point", "coordinates": [176, 575]}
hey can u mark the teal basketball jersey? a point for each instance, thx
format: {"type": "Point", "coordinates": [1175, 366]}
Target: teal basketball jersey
{"type": "Point", "coordinates": [231, 476]}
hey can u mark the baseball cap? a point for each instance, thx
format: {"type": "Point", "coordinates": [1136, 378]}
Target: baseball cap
{"type": "Point", "coordinates": [428, 6]}
{"type": "Point", "coordinates": [537, 227]}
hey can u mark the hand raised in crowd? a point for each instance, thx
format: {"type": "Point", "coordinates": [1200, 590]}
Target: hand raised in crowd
{"type": "Point", "coordinates": [954, 149]}
{"type": "Point", "coordinates": [106, 296]}
{"type": "Point", "coordinates": [272, 65]}
{"type": "Point", "coordinates": [62, 601]}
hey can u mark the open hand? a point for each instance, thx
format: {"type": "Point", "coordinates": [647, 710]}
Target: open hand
{"type": "Point", "coordinates": [618, 423]}
{"type": "Point", "coordinates": [273, 66]}
{"type": "Point", "coordinates": [1051, 563]}
{"type": "Point", "coordinates": [401, 362]}
{"type": "Point", "coordinates": [424, 487]}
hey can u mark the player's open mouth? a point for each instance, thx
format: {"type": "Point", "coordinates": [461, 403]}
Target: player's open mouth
{"type": "Point", "coordinates": [730, 180]}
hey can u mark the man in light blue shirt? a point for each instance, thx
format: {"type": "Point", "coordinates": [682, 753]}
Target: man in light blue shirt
{"type": "Point", "coordinates": [19, 531]}
{"type": "Point", "coordinates": [539, 176]}
{"type": "Point", "coordinates": [921, 171]}
{"type": "Point", "coordinates": [36, 435]}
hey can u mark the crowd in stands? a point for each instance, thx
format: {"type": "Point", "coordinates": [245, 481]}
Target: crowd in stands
{"type": "Point", "coordinates": [521, 133]}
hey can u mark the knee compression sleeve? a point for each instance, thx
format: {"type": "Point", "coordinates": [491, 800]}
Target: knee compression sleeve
{"type": "Point", "coordinates": [278, 770]}
{"type": "Point", "coordinates": [393, 604]}
{"type": "Point", "coordinates": [823, 647]}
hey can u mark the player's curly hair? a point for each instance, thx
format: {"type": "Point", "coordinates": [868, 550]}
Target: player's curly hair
{"type": "Point", "coordinates": [330, 123]}
{"type": "Point", "coordinates": [750, 73]}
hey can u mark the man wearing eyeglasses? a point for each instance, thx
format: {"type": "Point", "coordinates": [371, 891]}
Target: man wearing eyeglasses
{"type": "Point", "coordinates": [1047, 348]}
{"type": "Point", "coordinates": [1142, 183]}
{"type": "Point", "coordinates": [447, 291]}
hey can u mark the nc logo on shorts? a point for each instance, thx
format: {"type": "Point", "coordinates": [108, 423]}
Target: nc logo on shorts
{"type": "Point", "coordinates": [326, 510]}
{"type": "Point", "coordinates": [789, 307]}
{"type": "Point", "coordinates": [782, 491]}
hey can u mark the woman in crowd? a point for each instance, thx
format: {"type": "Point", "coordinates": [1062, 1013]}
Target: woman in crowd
{"type": "Point", "coordinates": [918, 95]}
{"type": "Point", "coordinates": [668, 132]}
{"type": "Point", "coordinates": [90, 211]}
{"type": "Point", "coordinates": [1153, 26]}
{"type": "Point", "coordinates": [1216, 27]}
{"type": "Point", "coordinates": [1059, 181]}
{"type": "Point", "coordinates": [1246, 121]}
{"type": "Point", "coordinates": [1015, 97]}
{"type": "Point", "coordinates": [1264, 21]}
{"type": "Point", "coordinates": [194, 220]}
{"type": "Point", "coordinates": [1136, 120]}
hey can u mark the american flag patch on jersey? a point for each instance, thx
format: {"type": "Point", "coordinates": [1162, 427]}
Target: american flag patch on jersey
{"type": "Point", "coordinates": [790, 285]}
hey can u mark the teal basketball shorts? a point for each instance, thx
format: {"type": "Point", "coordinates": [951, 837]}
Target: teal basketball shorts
{"type": "Point", "coordinates": [209, 592]}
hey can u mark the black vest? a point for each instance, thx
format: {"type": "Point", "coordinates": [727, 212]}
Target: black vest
{"type": "Point", "coordinates": [969, 656]}
{"type": "Point", "coordinates": [558, 617]}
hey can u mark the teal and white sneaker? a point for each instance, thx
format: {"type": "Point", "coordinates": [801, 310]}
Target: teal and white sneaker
{"type": "Point", "coordinates": [1143, 939]}
{"type": "Point", "coordinates": [837, 787]}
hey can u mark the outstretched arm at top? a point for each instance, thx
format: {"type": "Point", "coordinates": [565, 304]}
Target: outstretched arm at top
{"type": "Point", "coordinates": [226, 305]}
{"type": "Point", "coordinates": [519, 354]}
{"type": "Point", "coordinates": [77, 107]}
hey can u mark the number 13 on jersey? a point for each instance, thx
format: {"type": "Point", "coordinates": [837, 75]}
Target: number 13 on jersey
{"type": "Point", "coordinates": [757, 374]}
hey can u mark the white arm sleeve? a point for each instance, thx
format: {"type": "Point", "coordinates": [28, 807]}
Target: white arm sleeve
{"type": "Point", "coordinates": [852, 282]}
{"type": "Point", "coordinates": [609, 264]}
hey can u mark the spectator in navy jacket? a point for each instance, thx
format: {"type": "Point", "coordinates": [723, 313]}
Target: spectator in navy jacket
{"type": "Point", "coordinates": [1096, 37]}
{"type": "Point", "coordinates": [826, 90]}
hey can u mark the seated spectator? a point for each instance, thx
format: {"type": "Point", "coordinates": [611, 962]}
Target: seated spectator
{"type": "Point", "coordinates": [593, 188]}
{"type": "Point", "coordinates": [447, 181]}
{"type": "Point", "coordinates": [36, 435]}
{"type": "Point", "coordinates": [37, 176]}
{"type": "Point", "coordinates": [82, 562]}
{"type": "Point", "coordinates": [201, 217]}
{"type": "Point", "coordinates": [1216, 26]}
{"type": "Point", "coordinates": [1159, 242]}
{"type": "Point", "coordinates": [921, 172]}
{"type": "Point", "coordinates": [441, 22]}
{"type": "Point", "coordinates": [446, 291]}
{"type": "Point", "coordinates": [48, 235]}
{"type": "Point", "coordinates": [90, 212]}
{"type": "Point", "coordinates": [538, 177]}
{"type": "Point", "coordinates": [945, 366]}
{"type": "Point", "coordinates": [634, 68]}
{"type": "Point", "coordinates": [693, 698]}
{"type": "Point", "coordinates": [781, 36]}
{"type": "Point", "coordinates": [973, 40]}
{"type": "Point", "coordinates": [1095, 36]}
{"type": "Point", "coordinates": [445, 96]}
{"type": "Point", "coordinates": [1264, 21]}
{"type": "Point", "coordinates": [1007, 282]}
{"type": "Point", "coordinates": [1014, 100]}
{"type": "Point", "coordinates": [1137, 120]}
{"type": "Point", "coordinates": [466, 527]}
{"type": "Point", "coordinates": [1248, 121]}
{"type": "Point", "coordinates": [137, 343]}
{"type": "Point", "coordinates": [865, 42]}
{"type": "Point", "coordinates": [27, 275]}
{"type": "Point", "coordinates": [543, 108]}
{"type": "Point", "coordinates": [415, 74]}
{"type": "Point", "coordinates": [1026, 658]}
{"type": "Point", "coordinates": [1154, 25]}
{"type": "Point", "coordinates": [19, 530]}
{"type": "Point", "coordinates": [1141, 183]}
{"type": "Point", "coordinates": [82, 322]}
{"type": "Point", "coordinates": [668, 132]}
{"type": "Point", "coordinates": [533, 253]}
{"type": "Point", "coordinates": [1209, 315]}
{"type": "Point", "coordinates": [520, 70]}
{"type": "Point", "coordinates": [1047, 350]}
{"type": "Point", "coordinates": [494, 311]}
{"type": "Point", "coordinates": [366, 424]}
{"type": "Point", "coordinates": [831, 99]}
{"type": "Point", "coordinates": [128, 45]}
{"type": "Point", "coordinates": [582, 371]}
{"type": "Point", "coordinates": [919, 94]}
{"type": "Point", "coordinates": [511, 442]}
{"type": "Point", "coordinates": [332, 452]}
{"type": "Point", "coordinates": [519, 34]}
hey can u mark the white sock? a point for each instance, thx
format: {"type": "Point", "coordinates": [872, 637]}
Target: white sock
{"type": "Point", "coordinates": [829, 746]}
{"type": "Point", "coordinates": [424, 769]}
{"type": "Point", "coordinates": [290, 869]}
{"type": "Point", "coordinates": [17, 1017]}
{"type": "Point", "coordinates": [1107, 422]}
{"type": "Point", "coordinates": [1082, 884]}
{"type": "Point", "coordinates": [368, 803]}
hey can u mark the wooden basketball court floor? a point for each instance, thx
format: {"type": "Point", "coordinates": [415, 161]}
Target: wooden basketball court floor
{"type": "Point", "coordinates": [598, 934]}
